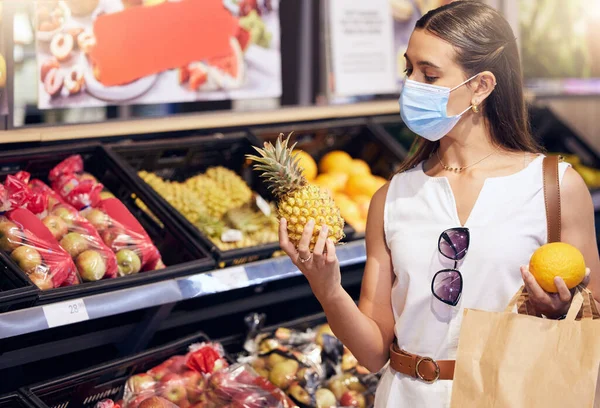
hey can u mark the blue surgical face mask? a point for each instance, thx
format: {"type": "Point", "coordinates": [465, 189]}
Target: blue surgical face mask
{"type": "Point", "coordinates": [424, 109]}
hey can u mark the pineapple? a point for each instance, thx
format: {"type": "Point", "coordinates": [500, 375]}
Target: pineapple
{"type": "Point", "coordinates": [233, 185]}
{"type": "Point", "coordinates": [178, 195]}
{"type": "Point", "coordinates": [297, 201]}
{"type": "Point", "coordinates": [216, 200]}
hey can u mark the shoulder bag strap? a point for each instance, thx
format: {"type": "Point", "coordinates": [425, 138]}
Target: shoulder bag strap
{"type": "Point", "coordinates": [552, 197]}
{"type": "Point", "coordinates": [552, 203]}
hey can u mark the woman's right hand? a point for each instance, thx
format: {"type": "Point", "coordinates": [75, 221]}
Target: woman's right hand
{"type": "Point", "coordinates": [321, 268]}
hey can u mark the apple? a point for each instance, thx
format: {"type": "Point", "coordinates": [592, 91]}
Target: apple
{"type": "Point", "coordinates": [177, 364]}
{"type": "Point", "coordinates": [299, 394]}
{"type": "Point", "coordinates": [195, 384]}
{"type": "Point", "coordinates": [106, 194]}
{"type": "Point", "coordinates": [128, 262]}
{"type": "Point", "coordinates": [87, 176]}
{"type": "Point", "coordinates": [10, 236]}
{"type": "Point", "coordinates": [42, 280]}
{"type": "Point", "coordinates": [116, 238]}
{"type": "Point", "coordinates": [353, 399]}
{"type": "Point", "coordinates": [325, 398]}
{"type": "Point", "coordinates": [74, 244]}
{"type": "Point", "coordinates": [160, 370]}
{"type": "Point", "coordinates": [140, 383]}
{"type": "Point", "coordinates": [173, 388]}
{"type": "Point", "coordinates": [247, 399]}
{"type": "Point", "coordinates": [91, 265]}
{"type": "Point", "coordinates": [275, 358]}
{"type": "Point", "coordinates": [348, 361]}
{"type": "Point", "coordinates": [57, 226]}
{"type": "Point", "coordinates": [323, 329]}
{"type": "Point", "coordinates": [156, 402]}
{"type": "Point", "coordinates": [98, 219]}
{"type": "Point", "coordinates": [68, 215]}
{"type": "Point", "coordinates": [28, 258]}
{"type": "Point", "coordinates": [283, 373]}
{"type": "Point", "coordinates": [337, 386]}
{"type": "Point", "coordinates": [353, 383]}
{"type": "Point", "coordinates": [223, 385]}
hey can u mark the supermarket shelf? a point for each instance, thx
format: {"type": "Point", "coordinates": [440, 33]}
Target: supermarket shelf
{"type": "Point", "coordinates": [171, 291]}
{"type": "Point", "coordinates": [212, 120]}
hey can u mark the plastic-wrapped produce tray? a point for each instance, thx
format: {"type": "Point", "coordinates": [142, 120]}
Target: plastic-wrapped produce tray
{"type": "Point", "coordinates": [178, 250]}
{"type": "Point", "coordinates": [181, 158]}
{"type": "Point", "coordinates": [84, 389]}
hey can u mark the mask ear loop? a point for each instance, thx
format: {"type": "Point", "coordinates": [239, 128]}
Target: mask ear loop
{"type": "Point", "coordinates": [458, 86]}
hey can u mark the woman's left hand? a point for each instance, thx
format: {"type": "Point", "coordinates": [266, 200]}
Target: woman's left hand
{"type": "Point", "coordinates": [551, 305]}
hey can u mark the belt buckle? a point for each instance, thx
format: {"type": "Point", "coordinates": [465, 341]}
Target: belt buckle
{"type": "Point", "coordinates": [420, 376]}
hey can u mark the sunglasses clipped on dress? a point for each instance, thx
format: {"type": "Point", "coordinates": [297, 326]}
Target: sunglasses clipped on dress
{"type": "Point", "coordinates": [447, 284]}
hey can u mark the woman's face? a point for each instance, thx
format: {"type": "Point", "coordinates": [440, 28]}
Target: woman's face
{"type": "Point", "coordinates": [430, 60]}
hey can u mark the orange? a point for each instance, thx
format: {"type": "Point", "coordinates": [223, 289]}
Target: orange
{"type": "Point", "coordinates": [331, 181]}
{"type": "Point", "coordinates": [363, 202]}
{"type": "Point", "coordinates": [335, 160]}
{"type": "Point", "coordinates": [557, 259]}
{"type": "Point", "coordinates": [360, 184]}
{"type": "Point", "coordinates": [307, 163]}
{"type": "Point", "coordinates": [359, 167]}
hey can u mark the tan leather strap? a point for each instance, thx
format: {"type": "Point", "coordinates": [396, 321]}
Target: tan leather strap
{"type": "Point", "coordinates": [553, 219]}
{"type": "Point", "coordinates": [552, 197]}
{"type": "Point", "coordinates": [422, 368]}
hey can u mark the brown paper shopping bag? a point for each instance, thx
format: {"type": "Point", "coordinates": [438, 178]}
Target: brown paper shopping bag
{"type": "Point", "coordinates": [513, 360]}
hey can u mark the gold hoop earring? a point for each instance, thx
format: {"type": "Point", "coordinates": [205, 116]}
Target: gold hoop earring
{"type": "Point", "coordinates": [475, 108]}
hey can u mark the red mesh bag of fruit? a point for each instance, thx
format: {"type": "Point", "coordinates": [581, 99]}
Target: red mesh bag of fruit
{"type": "Point", "coordinates": [118, 228]}
{"type": "Point", "coordinates": [30, 244]}
{"type": "Point", "coordinates": [203, 378]}
{"type": "Point", "coordinates": [77, 234]}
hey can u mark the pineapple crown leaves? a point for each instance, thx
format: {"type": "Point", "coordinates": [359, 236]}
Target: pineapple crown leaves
{"type": "Point", "coordinates": [278, 166]}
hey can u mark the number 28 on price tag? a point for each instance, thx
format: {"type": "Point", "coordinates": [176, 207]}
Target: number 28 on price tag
{"type": "Point", "coordinates": [63, 313]}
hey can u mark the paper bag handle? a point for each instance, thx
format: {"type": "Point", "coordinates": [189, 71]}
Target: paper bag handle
{"type": "Point", "coordinates": [582, 301]}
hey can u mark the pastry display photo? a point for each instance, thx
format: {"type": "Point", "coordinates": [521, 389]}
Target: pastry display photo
{"type": "Point", "coordinates": [105, 52]}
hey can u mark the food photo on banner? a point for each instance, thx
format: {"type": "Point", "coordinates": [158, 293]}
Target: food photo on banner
{"type": "Point", "coordinates": [106, 52]}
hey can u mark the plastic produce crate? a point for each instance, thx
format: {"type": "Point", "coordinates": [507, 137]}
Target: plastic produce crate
{"type": "Point", "coordinates": [14, 401]}
{"type": "Point", "coordinates": [16, 291]}
{"type": "Point", "coordinates": [180, 254]}
{"type": "Point", "coordinates": [84, 389]}
{"type": "Point", "coordinates": [181, 158]}
{"type": "Point", "coordinates": [354, 136]}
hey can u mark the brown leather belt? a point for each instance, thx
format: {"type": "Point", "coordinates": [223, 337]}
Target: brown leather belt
{"type": "Point", "coordinates": [422, 368]}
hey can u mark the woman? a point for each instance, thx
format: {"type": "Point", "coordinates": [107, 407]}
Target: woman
{"type": "Point", "coordinates": [476, 168]}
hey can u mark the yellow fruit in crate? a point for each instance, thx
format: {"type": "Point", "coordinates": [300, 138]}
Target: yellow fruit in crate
{"type": "Point", "coordinates": [557, 259]}
{"type": "Point", "coordinates": [359, 167]}
{"type": "Point", "coordinates": [331, 181]}
{"type": "Point", "coordinates": [363, 202]}
{"type": "Point", "coordinates": [232, 184]}
{"type": "Point", "coordinates": [336, 160]}
{"type": "Point", "coordinates": [307, 164]}
{"type": "Point", "coordinates": [359, 184]}
{"type": "Point", "coordinates": [297, 201]}
{"type": "Point", "coordinates": [348, 208]}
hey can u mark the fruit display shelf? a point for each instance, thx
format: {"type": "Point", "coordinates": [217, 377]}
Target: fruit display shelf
{"type": "Point", "coordinates": [116, 302]}
{"type": "Point", "coordinates": [15, 400]}
{"type": "Point", "coordinates": [179, 252]}
{"type": "Point", "coordinates": [178, 172]}
{"type": "Point", "coordinates": [347, 157]}
{"type": "Point", "coordinates": [16, 291]}
{"type": "Point", "coordinates": [84, 389]}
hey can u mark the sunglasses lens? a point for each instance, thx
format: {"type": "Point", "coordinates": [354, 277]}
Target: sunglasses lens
{"type": "Point", "coordinates": [454, 243]}
{"type": "Point", "coordinates": [447, 286]}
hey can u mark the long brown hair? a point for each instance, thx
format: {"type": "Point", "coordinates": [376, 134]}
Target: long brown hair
{"type": "Point", "coordinates": [484, 41]}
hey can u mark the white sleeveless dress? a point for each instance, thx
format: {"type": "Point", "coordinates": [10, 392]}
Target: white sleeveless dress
{"type": "Point", "coordinates": [507, 224]}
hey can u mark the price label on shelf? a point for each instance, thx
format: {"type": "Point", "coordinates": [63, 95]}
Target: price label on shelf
{"type": "Point", "coordinates": [235, 277]}
{"type": "Point", "coordinates": [63, 313]}
{"type": "Point", "coordinates": [263, 205]}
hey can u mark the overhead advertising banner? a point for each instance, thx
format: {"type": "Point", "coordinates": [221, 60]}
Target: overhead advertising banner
{"type": "Point", "coordinates": [106, 52]}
